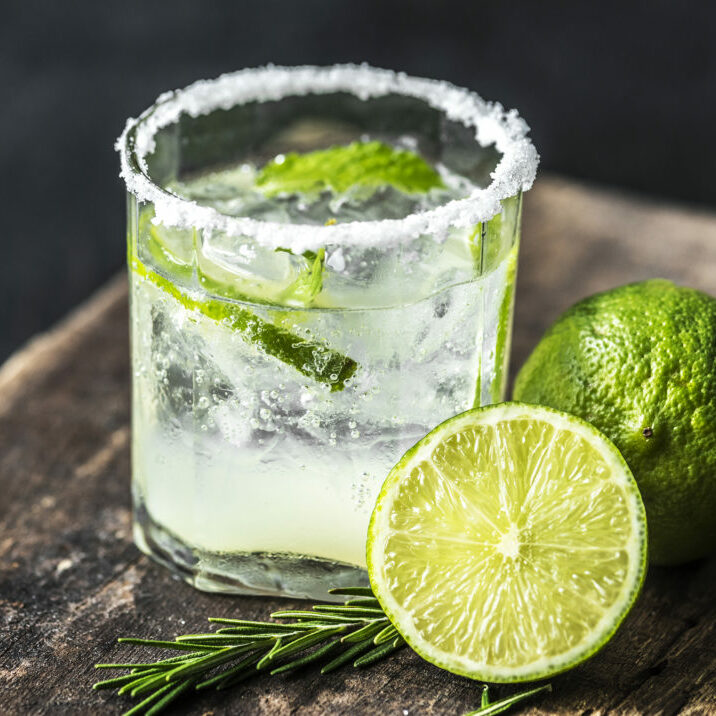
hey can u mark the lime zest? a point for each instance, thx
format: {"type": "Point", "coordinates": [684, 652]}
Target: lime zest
{"type": "Point", "coordinates": [340, 168]}
{"type": "Point", "coordinates": [309, 357]}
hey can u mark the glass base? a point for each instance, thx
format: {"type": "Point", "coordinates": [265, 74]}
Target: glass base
{"type": "Point", "coordinates": [249, 573]}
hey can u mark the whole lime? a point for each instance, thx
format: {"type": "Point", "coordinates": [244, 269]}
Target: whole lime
{"type": "Point", "coordinates": [639, 363]}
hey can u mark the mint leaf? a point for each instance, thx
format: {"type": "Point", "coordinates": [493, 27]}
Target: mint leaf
{"type": "Point", "coordinates": [339, 168]}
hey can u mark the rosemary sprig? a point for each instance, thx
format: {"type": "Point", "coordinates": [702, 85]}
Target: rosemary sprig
{"type": "Point", "coordinates": [488, 708]}
{"type": "Point", "coordinates": [332, 634]}
{"type": "Point", "coordinates": [357, 631]}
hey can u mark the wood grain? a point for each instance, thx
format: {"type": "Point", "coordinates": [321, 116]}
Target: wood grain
{"type": "Point", "coordinates": [71, 580]}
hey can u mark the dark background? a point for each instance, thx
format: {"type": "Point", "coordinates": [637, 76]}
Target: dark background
{"type": "Point", "coordinates": [616, 91]}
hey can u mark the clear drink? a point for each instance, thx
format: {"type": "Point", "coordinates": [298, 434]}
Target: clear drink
{"type": "Point", "coordinates": [288, 345]}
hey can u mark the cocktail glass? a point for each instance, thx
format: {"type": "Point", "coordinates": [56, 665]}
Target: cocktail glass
{"type": "Point", "coordinates": [287, 351]}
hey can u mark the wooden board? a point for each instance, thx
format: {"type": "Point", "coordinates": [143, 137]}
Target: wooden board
{"type": "Point", "coordinates": [71, 580]}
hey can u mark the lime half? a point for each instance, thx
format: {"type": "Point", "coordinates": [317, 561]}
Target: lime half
{"type": "Point", "coordinates": [509, 543]}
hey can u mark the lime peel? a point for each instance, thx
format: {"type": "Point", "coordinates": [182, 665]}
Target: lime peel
{"type": "Point", "coordinates": [509, 544]}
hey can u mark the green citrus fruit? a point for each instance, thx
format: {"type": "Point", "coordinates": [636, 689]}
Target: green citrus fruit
{"type": "Point", "coordinates": [509, 543]}
{"type": "Point", "coordinates": [639, 363]}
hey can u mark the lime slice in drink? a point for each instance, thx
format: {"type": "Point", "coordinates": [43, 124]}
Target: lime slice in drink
{"type": "Point", "coordinates": [509, 543]}
{"type": "Point", "coordinates": [173, 252]}
{"type": "Point", "coordinates": [312, 358]}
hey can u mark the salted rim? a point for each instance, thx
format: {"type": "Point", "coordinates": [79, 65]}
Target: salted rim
{"type": "Point", "coordinates": [493, 125]}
